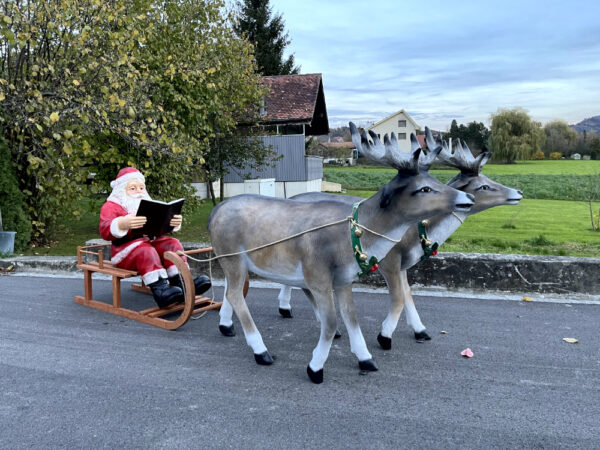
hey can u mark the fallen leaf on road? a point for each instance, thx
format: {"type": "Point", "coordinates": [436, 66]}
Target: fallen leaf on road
{"type": "Point", "coordinates": [443, 332]}
{"type": "Point", "coordinates": [527, 299]}
{"type": "Point", "coordinates": [571, 340]}
{"type": "Point", "coordinates": [6, 269]}
{"type": "Point", "coordinates": [467, 352]}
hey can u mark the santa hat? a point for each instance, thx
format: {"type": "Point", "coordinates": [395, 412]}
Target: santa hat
{"type": "Point", "coordinates": [125, 175]}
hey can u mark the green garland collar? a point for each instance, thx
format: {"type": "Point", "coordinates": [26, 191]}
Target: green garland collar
{"type": "Point", "coordinates": [361, 258]}
{"type": "Point", "coordinates": [429, 248]}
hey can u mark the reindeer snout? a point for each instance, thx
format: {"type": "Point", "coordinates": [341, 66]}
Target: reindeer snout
{"type": "Point", "coordinates": [464, 202]}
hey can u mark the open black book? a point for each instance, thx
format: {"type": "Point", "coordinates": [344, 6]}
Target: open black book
{"type": "Point", "coordinates": [158, 215]}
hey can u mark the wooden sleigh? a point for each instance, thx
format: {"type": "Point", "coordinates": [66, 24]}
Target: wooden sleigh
{"type": "Point", "coordinates": [194, 304]}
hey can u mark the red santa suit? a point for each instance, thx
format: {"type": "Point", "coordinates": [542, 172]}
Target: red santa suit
{"type": "Point", "coordinates": [129, 249]}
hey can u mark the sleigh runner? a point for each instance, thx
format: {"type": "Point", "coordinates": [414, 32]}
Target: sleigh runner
{"type": "Point", "coordinates": [159, 317]}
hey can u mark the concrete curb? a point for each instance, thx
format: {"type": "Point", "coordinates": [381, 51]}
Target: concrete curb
{"type": "Point", "coordinates": [459, 272]}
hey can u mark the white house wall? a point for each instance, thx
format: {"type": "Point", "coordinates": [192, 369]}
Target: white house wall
{"type": "Point", "coordinates": [283, 189]}
{"type": "Point", "coordinates": [390, 124]}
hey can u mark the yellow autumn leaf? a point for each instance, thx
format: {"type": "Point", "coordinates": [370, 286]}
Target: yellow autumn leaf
{"type": "Point", "coordinates": [7, 20]}
{"type": "Point", "coordinates": [527, 299]}
{"type": "Point", "coordinates": [571, 340]}
{"type": "Point", "coordinates": [2, 97]}
{"type": "Point", "coordinates": [54, 117]}
{"type": "Point", "coordinates": [76, 83]}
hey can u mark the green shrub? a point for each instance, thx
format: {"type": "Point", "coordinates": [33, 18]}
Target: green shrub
{"type": "Point", "coordinates": [555, 155]}
{"type": "Point", "coordinates": [539, 156]}
{"type": "Point", "coordinates": [539, 241]}
{"type": "Point", "coordinates": [12, 205]}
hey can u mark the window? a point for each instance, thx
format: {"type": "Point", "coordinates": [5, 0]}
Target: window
{"type": "Point", "coordinates": [401, 136]}
{"type": "Point", "coordinates": [402, 124]}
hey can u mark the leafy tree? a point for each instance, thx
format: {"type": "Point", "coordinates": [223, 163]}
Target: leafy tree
{"type": "Point", "coordinates": [91, 86]}
{"type": "Point", "coordinates": [594, 146]}
{"type": "Point", "coordinates": [454, 130]}
{"type": "Point", "coordinates": [268, 36]}
{"type": "Point", "coordinates": [514, 135]}
{"type": "Point", "coordinates": [475, 134]}
{"type": "Point", "coordinates": [12, 205]}
{"type": "Point", "coordinates": [559, 138]}
{"type": "Point", "coordinates": [239, 152]}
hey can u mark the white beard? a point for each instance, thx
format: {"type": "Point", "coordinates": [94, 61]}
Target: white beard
{"type": "Point", "coordinates": [129, 202]}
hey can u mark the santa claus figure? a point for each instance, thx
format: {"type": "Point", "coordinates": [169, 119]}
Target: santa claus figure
{"type": "Point", "coordinates": [132, 250]}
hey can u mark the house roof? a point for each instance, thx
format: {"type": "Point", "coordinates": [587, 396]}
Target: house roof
{"type": "Point", "coordinates": [415, 124]}
{"type": "Point", "coordinates": [421, 139]}
{"type": "Point", "coordinates": [339, 144]}
{"type": "Point", "coordinates": [296, 99]}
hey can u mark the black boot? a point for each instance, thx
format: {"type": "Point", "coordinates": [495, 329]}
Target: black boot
{"type": "Point", "coordinates": [164, 294]}
{"type": "Point", "coordinates": [201, 283]}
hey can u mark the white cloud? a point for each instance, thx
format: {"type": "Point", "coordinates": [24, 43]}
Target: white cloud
{"type": "Point", "coordinates": [443, 60]}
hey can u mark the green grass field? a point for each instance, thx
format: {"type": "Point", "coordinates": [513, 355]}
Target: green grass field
{"type": "Point", "coordinates": [563, 180]}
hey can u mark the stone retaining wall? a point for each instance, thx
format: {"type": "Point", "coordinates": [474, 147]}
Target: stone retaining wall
{"type": "Point", "coordinates": [472, 271]}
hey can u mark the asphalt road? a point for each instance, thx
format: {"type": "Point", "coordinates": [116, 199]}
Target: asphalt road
{"type": "Point", "coordinates": [74, 377]}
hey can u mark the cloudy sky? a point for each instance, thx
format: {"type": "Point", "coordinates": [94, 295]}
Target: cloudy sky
{"type": "Point", "coordinates": [442, 60]}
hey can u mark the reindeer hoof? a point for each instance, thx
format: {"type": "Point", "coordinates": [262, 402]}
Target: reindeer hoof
{"type": "Point", "coordinates": [422, 336]}
{"type": "Point", "coordinates": [227, 331]}
{"type": "Point", "coordinates": [263, 359]}
{"type": "Point", "coordinates": [368, 365]}
{"type": "Point", "coordinates": [338, 334]}
{"type": "Point", "coordinates": [286, 313]}
{"type": "Point", "coordinates": [315, 377]}
{"type": "Point", "coordinates": [384, 342]}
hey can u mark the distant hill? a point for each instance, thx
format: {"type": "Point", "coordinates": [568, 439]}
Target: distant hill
{"type": "Point", "coordinates": [591, 124]}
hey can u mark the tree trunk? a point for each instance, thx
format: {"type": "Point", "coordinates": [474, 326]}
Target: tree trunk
{"type": "Point", "coordinates": [211, 191]}
{"type": "Point", "coordinates": [221, 182]}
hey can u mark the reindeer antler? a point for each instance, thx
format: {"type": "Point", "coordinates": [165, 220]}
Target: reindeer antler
{"type": "Point", "coordinates": [434, 148]}
{"type": "Point", "coordinates": [462, 158]}
{"type": "Point", "coordinates": [387, 153]}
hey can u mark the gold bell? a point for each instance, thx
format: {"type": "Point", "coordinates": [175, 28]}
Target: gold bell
{"type": "Point", "coordinates": [358, 232]}
{"type": "Point", "coordinates": [425, 223]}
{"type": "Point", "coordinates": [363, 256]}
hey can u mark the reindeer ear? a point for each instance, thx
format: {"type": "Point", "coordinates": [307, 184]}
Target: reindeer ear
{"type": "Point", "coordinates": [394, 187]}
{"type": "Point", "coordinates": [386, 196]}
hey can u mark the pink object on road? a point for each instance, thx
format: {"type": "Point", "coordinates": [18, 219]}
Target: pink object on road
{"type": "Point", "coordinates": [467, 352]}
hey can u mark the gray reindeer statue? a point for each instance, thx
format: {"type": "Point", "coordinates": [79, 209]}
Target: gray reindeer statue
{"type": "Point", "coordinates": [309, 245]}
{"type": "Point", "coordinates": [409, 251]}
